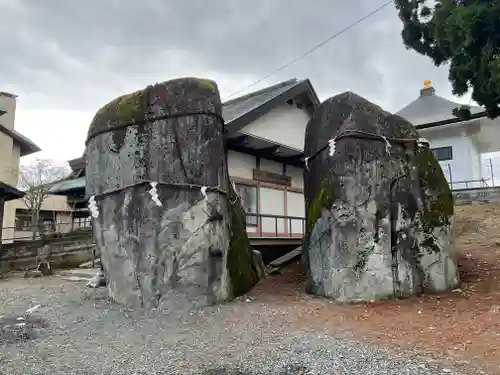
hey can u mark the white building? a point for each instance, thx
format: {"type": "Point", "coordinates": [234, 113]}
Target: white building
{"type": "Point", "coordinates": [458, 145]}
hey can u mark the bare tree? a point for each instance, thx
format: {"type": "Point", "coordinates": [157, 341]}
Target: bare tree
{"type": "Point", "coordinates": [35, 180]}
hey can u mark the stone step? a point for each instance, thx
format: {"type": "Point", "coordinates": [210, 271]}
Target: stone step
{"type": "Point", "coordinates": [288, 257]}
{"type": "Point", "coordinates": [97, 263]}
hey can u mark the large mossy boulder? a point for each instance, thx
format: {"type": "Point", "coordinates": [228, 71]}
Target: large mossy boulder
{"type": "Point", "coordinates": [379, 214]}
{"type": "Point", "coordinates": [166, 241]}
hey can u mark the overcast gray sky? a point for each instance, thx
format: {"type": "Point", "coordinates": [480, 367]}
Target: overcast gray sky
{"type": "Point", "coordinates": [66, 58]}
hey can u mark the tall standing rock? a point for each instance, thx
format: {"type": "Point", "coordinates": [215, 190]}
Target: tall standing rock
{"type": "Point", "coordinates": [379, 209]}
{"type": "Point", "coordinates": [167, 222]}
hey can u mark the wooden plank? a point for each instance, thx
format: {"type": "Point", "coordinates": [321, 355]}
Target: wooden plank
{"type": "Point", "coordinates": [273, 178]}
{"type": "Point", "coordinates": [286, 258]}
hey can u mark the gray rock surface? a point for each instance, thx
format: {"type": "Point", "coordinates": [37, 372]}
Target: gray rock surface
{"type": "Point", "coordinates": [172, 242]}
{"type": "Point", "coordinates": [379, 215]}
{"type": "Point", "coordinates": [259, 264]}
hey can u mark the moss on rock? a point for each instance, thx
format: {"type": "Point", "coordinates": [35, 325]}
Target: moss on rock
{"type": "Point", "coordinates": [242, 271]}
{"type": "Point", "coordinates": [323, 200]}
{"type": "Point", "coordinates": [438, 199]}
{"type": "Point", "coordinates": [197, 93]}
{"type": "Point", "coordinates": [125, 109]}
{"type": "Point", "coordinates": [207, 84]}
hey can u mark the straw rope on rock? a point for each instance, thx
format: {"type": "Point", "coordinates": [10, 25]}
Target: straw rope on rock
{"type": "Point", "coordinates": [379, 209]}
{"type": "Point", "coordinates": [168, 224]}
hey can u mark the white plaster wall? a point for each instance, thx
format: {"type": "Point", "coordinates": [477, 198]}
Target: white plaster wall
{"type": "Point", "coordinates": [9, 104]}
{"type": "Point", "coordinates": [240, 165]}
{"type": "Point", "coordinates": [272, 202]}
{"type": "Point", "coordinates": [297, 175]}
{"type": "Point", "coordinates": [271, 166]}
{"type": "Point", "coordinates": [466, 163]}
{"type": "Point", "coordinates": [284, 125]}
{"type": "Point", "coordinates": [296, 207]}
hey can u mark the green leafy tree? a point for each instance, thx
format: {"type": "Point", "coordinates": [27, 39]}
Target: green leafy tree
{"type": "Point", "coordinates": [463, 33]}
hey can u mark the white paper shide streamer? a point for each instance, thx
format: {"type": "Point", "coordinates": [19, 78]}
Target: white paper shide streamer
{"type": "Point", "coordinates": [94, 210]}
{"type": "Point", "coordinates": [203, 190]}
{"type": "Point", "coordinates": [234, 187]}
{"type": "Point", "coordinates": [331, 147]}
{"type": "Point", "coordinates": [423, 142]}
{"type": "Point", "coordinates": [387, 145]}
{"type": "Point", "coordinates": [154, 193]}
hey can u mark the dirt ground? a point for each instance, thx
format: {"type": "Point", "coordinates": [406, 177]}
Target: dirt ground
{"type": "Point", "coordinates": [460, 328]}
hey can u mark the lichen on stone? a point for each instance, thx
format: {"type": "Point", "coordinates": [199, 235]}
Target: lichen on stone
{"type": "Point", "coordinates": [362, 258]}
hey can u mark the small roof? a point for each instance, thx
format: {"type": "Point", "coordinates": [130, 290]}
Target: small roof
{"type": "Point", "coordinates": [26, 145]}
{"type": "Point", "coordinates": [8, 192]}
{"type": "Point", "coordinates": [431, 108]}
{"type": "Point", "coordinates": [67, 186]}
{"type": "Point", "coordinates": [236, 108]}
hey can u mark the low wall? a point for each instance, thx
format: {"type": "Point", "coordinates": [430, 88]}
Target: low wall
{"type": "Point", "coordinates": [477, 195]}
{"type": "Point", "coordinates": [61, 252]}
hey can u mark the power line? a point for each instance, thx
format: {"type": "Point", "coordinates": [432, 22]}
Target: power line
{"type": "Point", "coordinates": [312, 49]}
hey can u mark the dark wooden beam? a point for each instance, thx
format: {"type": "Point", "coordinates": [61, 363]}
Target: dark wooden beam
{"type": "Point", "coordinates": [269, 156]}
{"type": "Point", "coordinates": [270, 150]}
{"type": "Point", "coordinates": [294, 160]}
{"type": "Point", "coordinates": [241, 140]}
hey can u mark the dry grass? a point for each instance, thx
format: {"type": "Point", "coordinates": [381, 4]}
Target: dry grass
{"type": "Point", "coordinates": [460, 327]}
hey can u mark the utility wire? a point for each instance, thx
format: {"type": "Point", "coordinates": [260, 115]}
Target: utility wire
{"type": "Point", "coordinates": [312, 49]}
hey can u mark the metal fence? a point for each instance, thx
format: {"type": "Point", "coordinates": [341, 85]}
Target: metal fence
{"type": "Point", "coordinates": [47, 230]}
{"type": "Point", "coordinates": [490, 175]}
{"type": "Point", "coordinates": [258, 225]}
{"type": "Point", "coordinates": [278, 226]}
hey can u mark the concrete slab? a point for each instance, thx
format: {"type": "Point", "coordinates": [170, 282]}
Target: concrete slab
{"type": "Point", "coordinates": [80, 274]}
{"type": "Point", "coordinates": [288, 257]}
{"type": "Point", "coordinates": [76, 278]}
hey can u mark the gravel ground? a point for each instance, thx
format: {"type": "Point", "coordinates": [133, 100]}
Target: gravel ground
{"type": "Point", "coordinates": [84, 333]}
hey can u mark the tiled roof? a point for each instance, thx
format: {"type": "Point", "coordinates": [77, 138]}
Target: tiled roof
{"type": "Point", "coordinates": [68, 185]}
{"type": "Point", "coordinates": [235, 108]}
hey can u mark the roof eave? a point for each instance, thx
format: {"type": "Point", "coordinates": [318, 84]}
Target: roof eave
{"type": "Point", "coordinates": [237, 124]}
{"type": "Point", "coordinates": [67, 192]}
{"type": "Point", "coordinates": [450, 121]}
{"type": "Point", "coordinates": [312, 93]}
{"type": "Point", "coordinates": [9, 193]}
{"type": "Point", "coordinates": [27, 147]}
